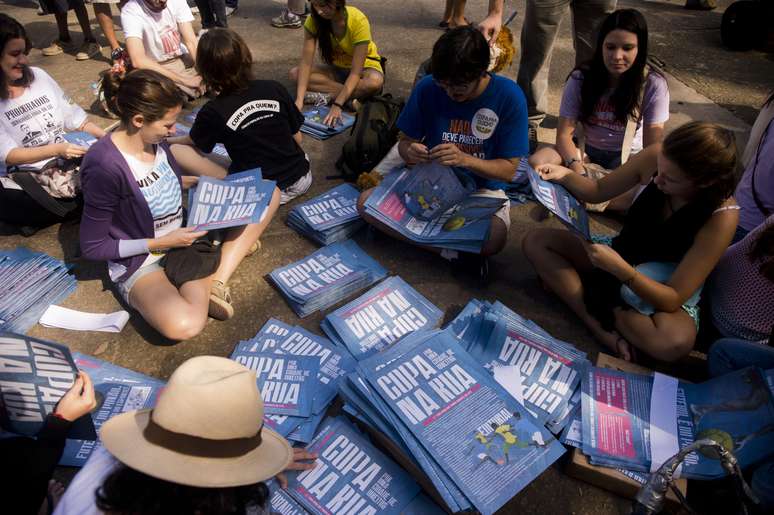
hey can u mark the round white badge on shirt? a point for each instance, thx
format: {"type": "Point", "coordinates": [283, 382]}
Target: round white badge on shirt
{"type": "Point", "coordinates": [484, 123]}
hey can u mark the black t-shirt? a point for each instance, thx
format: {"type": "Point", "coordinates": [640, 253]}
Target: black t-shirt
{"type": "Point", "coordinates": [256, 126]}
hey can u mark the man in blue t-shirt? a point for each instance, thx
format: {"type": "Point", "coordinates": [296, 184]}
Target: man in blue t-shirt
{"type": "Point", "coordinates": [463, 116]}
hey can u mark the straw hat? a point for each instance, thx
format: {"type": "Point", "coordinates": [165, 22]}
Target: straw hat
{"type": "Point", "coordinates": [206, 429]}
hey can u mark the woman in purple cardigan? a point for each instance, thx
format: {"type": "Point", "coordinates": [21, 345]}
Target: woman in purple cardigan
{"type": "Point", "coordinates": [133, 213]}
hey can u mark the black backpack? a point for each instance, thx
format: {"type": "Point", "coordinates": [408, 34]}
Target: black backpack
{"type": "Point", "coordinates": [371, 137]}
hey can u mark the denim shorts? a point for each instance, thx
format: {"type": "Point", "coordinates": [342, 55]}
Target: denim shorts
{"type": "Point", "coordinates": [125, 287]}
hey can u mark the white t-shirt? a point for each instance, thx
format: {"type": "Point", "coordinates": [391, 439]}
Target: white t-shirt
{"type": "Point", "coordinates": [161, 189]}
{"type": "Point", "coordinates": [159, 32]}
{"type": "Point", "coordinates": [40, 116]}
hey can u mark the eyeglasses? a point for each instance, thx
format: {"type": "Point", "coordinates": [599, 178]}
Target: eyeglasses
{"type": "Point", "coordinates": [456, 87]}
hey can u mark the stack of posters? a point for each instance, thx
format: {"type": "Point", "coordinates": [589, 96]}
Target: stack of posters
{"type": "Point", "coordinates": [636, 422]}
{"type": "Point", "coordinates": [240, 199]}
{"type": "Point", "coordinates": [541, 372]}
{"type": "Point", "coordinates": [380, 317]}
{"type": "Point", "coordinates": [320, 365]}
{"type": "Point", "coordinates": [29, 283]}
{"type": "Point", "coordinates": [326, 277]}
{"type": "Point", "coordinates": [314, 126]}
{"type": "Point", "coordinates": [330, 217]}
{"type": "Point", "coordinates": [118, 390]}
{"type": "Point", "coordinates": [463, 227]}
{"type": "Point", "coordinates": [476, 444]}
{"type": "Point", "coordinates": [34, 375]}
{"type": "Point", "coordinates": [560, 202]}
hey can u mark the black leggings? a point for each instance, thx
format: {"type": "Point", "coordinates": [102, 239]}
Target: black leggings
{"type": "Point", "coordinates": [19, 209]}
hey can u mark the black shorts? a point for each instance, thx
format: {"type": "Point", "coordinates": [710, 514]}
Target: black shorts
{"type": "Point", "coordinates": [59, 6]}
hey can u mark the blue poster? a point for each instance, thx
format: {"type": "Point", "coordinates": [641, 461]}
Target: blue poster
{"type": "Point", "coordinates": [80, 138]}
{"type": "Point", "coordinates": [34, 375]}
{"type": "Point", "coordinates": [314, 126]}
{"type": "Point", "coordinates": [560, 202]}
{"type": "Point", "coordinates": [287, 383]}
{"type": "Point", "coordinates": [240, 199]}
{"type": "Point", "coordinates": [329, 217]}
{"type": "Point", "coordinates": [380, 317]}
{"type": "Point", "coordinates": [489, 445]}
{"type": "Point", "coordinates": [350, 476]}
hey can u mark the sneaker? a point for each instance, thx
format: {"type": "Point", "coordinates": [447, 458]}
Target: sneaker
{"type": "Point", "coordinates": [56, 47]}
{"type": "Point", "coordinates": [230, 11]}
{"type": "Point", "coordinates": [533, 141]}
{"type": "Point", "coordinates": [316, 98]}
{"type": "Point", "coordinates": [220, 301]}
{"type": "Point", "coordinates": [117, 54]}
{"type": "Point", "coordinates": [88, 50]}
{"type": "Point", "coordinates": [287, 20]}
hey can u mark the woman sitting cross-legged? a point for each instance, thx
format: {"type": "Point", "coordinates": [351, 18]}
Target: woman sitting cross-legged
{"type": "Point", "coordinates": [133, 214]}
{"type": "Point", "coordinates": [352, 67]}
{"type": "Point", "coordinates": [641, 291]}
{"type": "Point", "coordinates": [612, 106]}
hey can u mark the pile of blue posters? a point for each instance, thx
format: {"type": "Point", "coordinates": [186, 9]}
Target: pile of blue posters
{"type": "Point", "coordinates": [330, 217]}
{"type": "Point", "coordinates": [463, 227]}
{"type": "Point", "coordinates": [476, 444]}
{"type": "Point", "coordinates": [543, 373]}
{"type": "Point", "coordinates": [560, 202]}
{"type": "Point", "coordinates": [118, 390]}
{"type": "Point", "coordinates": [350, 476]}
{"type": "Point", "coordinates": [639, 421]}
{"type": "Point", "coordinates": [326, 277]}
{"type": "Point", "coordinates": [380, 317]}
{"type": "Point", "coordinates": [321, 363]}
{"type": "Point", "coordinates": [240, 199]}
{"type": "Point", "coordinates": [29, 283]}
{"type": "Point", "coordinates": [34, 375]}
{"type": "Point", "coordinates": [314, 126]}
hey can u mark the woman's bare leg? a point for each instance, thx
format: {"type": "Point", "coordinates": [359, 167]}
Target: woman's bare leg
{"type": "Point", "coordinates": [665, 336]}
{"type": "Point", "coordinates": [176, 314]}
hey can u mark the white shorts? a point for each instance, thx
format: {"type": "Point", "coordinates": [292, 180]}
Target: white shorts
{"type": "Point", "coordinates": [504, 213]}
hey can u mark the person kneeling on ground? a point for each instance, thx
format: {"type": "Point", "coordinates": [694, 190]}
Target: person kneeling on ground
{"type": "Point", "coordinates": [39, 183]}
{"type": "Point", "coordinates": [641, 292]}
{"type": "Point", "coordinates": [203, 449]}
{"type": "Point", "coordinates": [256, 120]}
{"type": "Point", "coordinates": [353, 68]}
{"type": "Point", "coordinates": [133, 214]}
{"type": "Point", "coordinates": [462, 116]}
{"type": "Point", "coordinates": [159, 36]}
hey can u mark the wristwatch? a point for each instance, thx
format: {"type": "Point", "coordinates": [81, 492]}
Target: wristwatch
{"type": "Point", "coordinates": [568, 162]}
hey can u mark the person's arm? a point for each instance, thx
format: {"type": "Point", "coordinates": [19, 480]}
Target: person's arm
{"type": "Point", "coordinates": [24, 155]}
{"type": "Point", "coordinates": [92, 128]}
{"type": "Point", "coordinates": [449, 154]}
{"type": "Point", "coordinates": [565, 146]}
{"type": "Point", "coordinates": [637, 170]}
{"type": "Point", "coordinates": [140, 60]}
{"type": "Point", "coordinates": [490, 26]}
{"type": "Point", "coordinates": [412, 151]}
{"type": "Point", "coordinates": [185, 139]}
{"type": "Point", "coordinates": [708, 247]}
{"type": "Point", "coordinates": [305, 67]}
{"type": "Point", "coordinates": [651, 134]}
{"type": "Point", "coordinates": [189, 38]}
{"type": "Point", "coordinates": [359, 54]}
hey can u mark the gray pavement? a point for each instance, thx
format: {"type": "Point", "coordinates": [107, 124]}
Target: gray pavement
{"type": "Point", "coordinates": [701, 75]}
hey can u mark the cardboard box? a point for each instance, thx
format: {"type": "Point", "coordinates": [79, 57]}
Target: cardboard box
{"type": "Point", "coordinates": [609, 478]}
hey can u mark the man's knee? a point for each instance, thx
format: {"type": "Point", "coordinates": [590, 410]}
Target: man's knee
{"type": "Point", "coordinates": [498, 237]}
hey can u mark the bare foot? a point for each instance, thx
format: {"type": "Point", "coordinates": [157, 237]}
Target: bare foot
{"type": "Point", "coordinates": [625, 350]}
{"type": "Point", "coordinates": [55, 492]}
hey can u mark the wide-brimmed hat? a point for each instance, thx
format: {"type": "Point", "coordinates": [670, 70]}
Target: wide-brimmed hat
{"type": "Point", "coordinates": [206, 429]}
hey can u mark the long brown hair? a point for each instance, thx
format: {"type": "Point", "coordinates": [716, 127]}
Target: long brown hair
{"type": "Point", "coordinates": [325, 30]}
{"type": "Point", "coordinates": [145, 92]}
{"type": "Point", "coordinates": [224, 61]}
{"type": "Point", "coordinates": [12, 29]}
{"type": "Point", "coordinates": [707, 154]}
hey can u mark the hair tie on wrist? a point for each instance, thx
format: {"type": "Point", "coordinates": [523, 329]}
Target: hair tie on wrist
{"type": "Point", "coordinates": [337, 104]}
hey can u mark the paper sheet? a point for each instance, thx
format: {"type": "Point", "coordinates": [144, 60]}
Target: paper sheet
{"type": "Point", "coordinates": [65, 318]}
{"type": "Point", "coordinates": [663, 421]}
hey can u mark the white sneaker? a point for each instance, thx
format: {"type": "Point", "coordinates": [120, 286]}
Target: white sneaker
{"type": "Point", "coordinates": [230, 10]}
{"type": "Point", "coordinates": [288, 20]}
